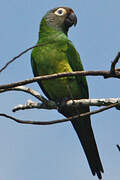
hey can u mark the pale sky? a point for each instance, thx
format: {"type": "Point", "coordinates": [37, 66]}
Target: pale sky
{"type": "Point", "coordinates": [54, 152]}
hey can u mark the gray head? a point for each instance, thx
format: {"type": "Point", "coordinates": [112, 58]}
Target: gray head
{"type": "Point", "coordinates": [60, 18]}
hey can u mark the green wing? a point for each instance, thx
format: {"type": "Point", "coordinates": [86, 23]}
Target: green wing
{"type": "Point", "coordinates": [35, 70]}
{"type": "Point", "coordinates": [76, 64]}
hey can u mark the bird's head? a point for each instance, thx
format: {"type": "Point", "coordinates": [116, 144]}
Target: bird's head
{"type": "Point", "coordinates": [60, 18]}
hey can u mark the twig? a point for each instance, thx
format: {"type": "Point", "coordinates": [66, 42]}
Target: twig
{"type": "Point", "coordinates": [48, 104]}
{"type": "Point", "coordinates": [112, 71]}
{"type": "Point", "coordinates": [115, 61]}
{"type": "Point", "coordinates": [106, 74]}
{"type": "Point", "coordinates": [93, 102]}
{"type": "Point", "coordinates": [13, 59]}
{"type": "Point", "coordinates": [70, 103]}
{"type": "Point", "coordinates": [118, 147]}
{"type": "Point", "coordinates": [32, 105]}
{"type": "Point", "coordinates": [27, 90]}
{"type": "Point", "coordinates": [61, 120]}
{"type": "Point", "coordinates": [19, 55]}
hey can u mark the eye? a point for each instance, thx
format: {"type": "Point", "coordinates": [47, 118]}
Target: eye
{"type": "Point", "coordinates": [60, 12]}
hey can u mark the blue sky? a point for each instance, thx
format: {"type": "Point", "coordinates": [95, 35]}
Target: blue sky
{"type": "Point", "coordinates": [54, 152]}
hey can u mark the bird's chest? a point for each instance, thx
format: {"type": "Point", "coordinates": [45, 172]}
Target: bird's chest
{"type": "Point", "coordinates": [56, 61]}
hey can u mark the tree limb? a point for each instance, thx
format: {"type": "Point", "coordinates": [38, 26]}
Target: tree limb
{"type": "Point", "coordinates": [118, 147]}
{"type": "Point", "coordinates": [27, 90]}
{"type": "Point", "coordinates": [52, 105]}
{"type": "Point", "coordinates": [115, 61]}
{"type": "Point", "coordinates": [61, 120]}
{"type": "Point", "coordinates": [19, 55]}
{"type": "Point", "coordinates": [13, 86]}
{"type": "Point", "coordinates": [106, 74]}
{"type": "Point", "coordinates": [112, 70]}
{"type": "Point", "coordinates": [48, 104]}
{"type": "Point", "coordinates": [32, 105]}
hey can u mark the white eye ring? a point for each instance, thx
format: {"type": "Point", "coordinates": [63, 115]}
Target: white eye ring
{"type": "Point", "coordinates": [60, 12]}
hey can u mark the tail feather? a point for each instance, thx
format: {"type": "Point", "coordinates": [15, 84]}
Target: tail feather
{"type": "Point", "coordinates": [85, 133]}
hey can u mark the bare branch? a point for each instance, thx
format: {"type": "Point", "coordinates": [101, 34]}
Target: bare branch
{"type": "Point", "coordinates": [52, 105]}
{"type": "Point", "coordinates": [61, 120]}
{"type": "Point", "coordinates": [32, 105]}
{"type": "Point", "coordinates": [13, 86]}
{"type": "Point", "coordinates": [27, 90]}
{"type": "Point", "coordinates": [105, 74]}
{"type": "Point", "coordinates": [48, 104]}
{"type": "Point", "coordinates": [93, 102]}
{"type": "Point", "coordinates": [115, 61]}
{"type": "Point", "coordinates": [118, 147]}
{"type": "Point", "coordinates": [19, 55]}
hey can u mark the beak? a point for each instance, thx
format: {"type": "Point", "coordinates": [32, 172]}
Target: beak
{"type": "Point", "coordinates": [70, 20]}
{"type": "Point", "coordinates": [73, 18]}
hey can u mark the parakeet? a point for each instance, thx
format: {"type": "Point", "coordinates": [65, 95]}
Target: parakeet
{"type": "Point", "coordinates": [57, 54]}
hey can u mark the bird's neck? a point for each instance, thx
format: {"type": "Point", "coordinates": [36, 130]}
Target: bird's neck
{"type": "Point", "coordinates": [49, 32]}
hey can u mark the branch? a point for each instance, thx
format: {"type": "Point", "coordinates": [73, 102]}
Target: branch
{"type": "Point", "coordinates": [115, 61]}
{"type": "Point", "coordinates": [27, 90]}
{"type": "Point", "coordinates": [118, 147]}
{"type": "Point", "coordinates": [48, 104]}
{"type": "Point", "coordinates": [32, 105]}
{"type": "Point", "coordinates": [112, 71]}
{"type": "Point", "coordinates": [106, 74]}
{"type": "Point", "coordinates": [52, 105]}
{"type": "Point", "coordinates": [61, 120]}
{"type": "Point", "coordinates": [93, 102]}
{"type": "Point", "coordinates": [19, 55]}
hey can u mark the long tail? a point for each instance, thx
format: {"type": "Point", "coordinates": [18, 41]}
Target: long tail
{"type": "Point", "coordinates": [85, 133]}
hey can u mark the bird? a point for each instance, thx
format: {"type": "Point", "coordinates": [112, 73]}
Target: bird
{"type": "Point", "coordinates": [55, 53]}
